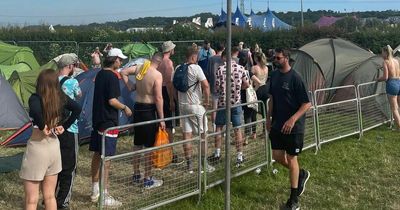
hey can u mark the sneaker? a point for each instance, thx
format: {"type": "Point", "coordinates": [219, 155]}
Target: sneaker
{"type": "Point", "coordinates": [291, 205]}
{"type": "Point", "coordinates": [176, 160]}
{"type": "Point", "coordinates": [239, 162]}
{"type": "Point", "coordinates": [95, 196]}
{"type": "Point", "coordinates": [304, 175]}
{"type": "Point", "coordinates": [109, 201]}
{"type": "Point", "coordinates": [152, 183]}
{"type": "Point", "coordinates": [189, 164]}
{"type": "Point", "coordinates": [213, 159]}
{"type": "Point", "coordinates": [136, 178]}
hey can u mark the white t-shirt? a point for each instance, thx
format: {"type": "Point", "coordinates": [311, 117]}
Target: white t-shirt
{"type": "Point", "coordinates": [194, 95]}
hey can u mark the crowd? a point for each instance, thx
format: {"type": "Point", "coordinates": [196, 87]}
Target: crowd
{"type": "Point", "coordinates": [164, 89]}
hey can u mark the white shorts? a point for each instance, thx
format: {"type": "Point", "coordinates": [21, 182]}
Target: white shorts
{"type": "Point", "coordinates": [191, 124]}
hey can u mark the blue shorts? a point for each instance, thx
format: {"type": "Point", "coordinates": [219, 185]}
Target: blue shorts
{"type": "Point", "coordinates": [236, 117]}
{"type": "Point", "coordinates": [393, 87]}
{"type": "Point", "coordinates": [95, 143]}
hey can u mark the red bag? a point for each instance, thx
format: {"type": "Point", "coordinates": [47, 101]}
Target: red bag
{"type": "Point", "coordinates": [161, 157]}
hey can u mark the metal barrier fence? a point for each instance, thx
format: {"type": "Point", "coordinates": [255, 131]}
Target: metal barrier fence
{"type": "Point", "coordinates": [374, 105]}
{"type": "Point", "coordinates": [343, 116]}
{"type": "Point", "coordinates": [178, 181]}
{"type": "Point", "coordinates": [255, 153]}
{"type": "Point", "coordinates": [44, 51]}
{"type": "Point", "coordinates": [85, 49]}
{"type": "Point", "coordinates": [310, 133]}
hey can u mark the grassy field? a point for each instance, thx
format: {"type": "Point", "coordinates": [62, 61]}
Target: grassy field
{"type": "Point", "coordinates": [346, 174]}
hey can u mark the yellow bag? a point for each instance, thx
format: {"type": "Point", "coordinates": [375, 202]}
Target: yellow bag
{"type": "Point", "coordinates": [161, 157]}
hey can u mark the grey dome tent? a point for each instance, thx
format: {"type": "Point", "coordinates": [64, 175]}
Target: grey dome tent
{"type": "Point", "coordinates": [327, 63]}
{"type": "Point", "coordinates": [14, 121]}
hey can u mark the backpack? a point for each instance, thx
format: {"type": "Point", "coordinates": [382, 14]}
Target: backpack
{"type": "Point", "coordinates": [181, 80]}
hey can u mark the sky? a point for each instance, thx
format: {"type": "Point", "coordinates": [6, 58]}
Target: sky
{"type": "Point", "coordinates": [76, 12]}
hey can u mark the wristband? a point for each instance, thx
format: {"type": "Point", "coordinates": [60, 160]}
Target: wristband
{"type": "Point", "coordinates": [124, 107]}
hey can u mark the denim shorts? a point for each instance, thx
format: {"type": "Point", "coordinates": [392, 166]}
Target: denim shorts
{"type": "Point", "coordinates": [393, 87]}
{"type": "Point", "coordinates": [236, 117]}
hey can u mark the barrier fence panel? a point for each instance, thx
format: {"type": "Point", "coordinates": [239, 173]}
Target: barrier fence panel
{"type": "Point", "coordinates": [44, 51]}
{"type": "Point", "coordinates": [178, 181]}
{"type": "Point", "coordinates": [310, 137]}
{"type": "Point", "coordinates": [255, 152]}
{"type": "Point", "coordinates": [85, 49]}
{"type": "Point", "coordinates": [337, 119]}
{"type": "Point", "coordinates": [374, 105]}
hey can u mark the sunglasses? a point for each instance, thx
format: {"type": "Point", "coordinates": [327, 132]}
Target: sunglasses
{"type": "Point", "coordinates": [278, 58]}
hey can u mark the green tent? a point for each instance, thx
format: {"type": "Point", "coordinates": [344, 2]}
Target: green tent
{"type": "Point", "coordinates": [7, 70]}
{"type": "Point", "coordinates": [11, 55]}
{"type": "Point", "coordinates": [24, 83]}
{"type": "Point", "coordinates": [136, 50]}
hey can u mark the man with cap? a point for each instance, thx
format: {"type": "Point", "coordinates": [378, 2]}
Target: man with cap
{"type": "Point", "coordinates": [105, 115]}
{"type": "Point", "coordinates": [68, 139]}
{"type": "Point", "coordinates": [166, 69]}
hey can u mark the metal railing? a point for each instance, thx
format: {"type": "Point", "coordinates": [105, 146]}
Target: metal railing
{"type": "Point", "coordinates": [178, 182]}
{"type": "Point", "coordinates": [256, 152]}
{"type": "Point", "coordinates": [374, 105]}
{"type": "Point", "coordinates": [343, 116]}
{"type": "Point", "coordinates": [310, 132]}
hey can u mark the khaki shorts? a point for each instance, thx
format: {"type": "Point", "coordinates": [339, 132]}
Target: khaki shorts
{"type": "Point", "coordinates": [42, 158]}
{"type": "Point", "coordinates": [191, 124]}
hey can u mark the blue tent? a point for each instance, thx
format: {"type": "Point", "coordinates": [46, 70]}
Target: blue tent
{"type": "Point", "coordinates": [268, 22]}
{"type": "Point", "coordinates": [252, 13]}
{"type": "Point", "coordinates": [222, 17]}
{"type": "Point", "coordinates": [238, 18]}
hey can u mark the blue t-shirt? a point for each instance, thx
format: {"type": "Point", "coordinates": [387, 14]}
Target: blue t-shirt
{"type": "Point", "coordinates": [71, 89]}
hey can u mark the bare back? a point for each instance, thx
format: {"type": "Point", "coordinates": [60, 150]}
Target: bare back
{"type": "Point", "coordinates": [393, 68]}
{"type": "Point", "coordinates": [145, 87]}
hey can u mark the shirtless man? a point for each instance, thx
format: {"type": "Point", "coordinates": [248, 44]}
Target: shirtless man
{"type": "Point", "coordinates": [391, 74]}
{"type": "Point", "coordinates": [148, 106]}
{"type": "Point", "coordinates": [166, 69]}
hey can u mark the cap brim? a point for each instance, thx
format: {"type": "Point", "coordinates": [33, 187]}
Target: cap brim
{"type": "Point", "coordinates": [122, 56]}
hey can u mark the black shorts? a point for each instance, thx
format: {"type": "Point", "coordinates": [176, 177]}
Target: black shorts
{"type": "Point", "coordinates": [166, 107]}
{"type": "Point", "coordinates": [291, 143]}
{"type": "Point", "coordinates": [145, 135]}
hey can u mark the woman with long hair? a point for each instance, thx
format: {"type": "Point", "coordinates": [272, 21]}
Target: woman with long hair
{"type": "Point", "coordinates": [260, 77]}
{"type": "Point", "coordinates": [391, 74]}
{"type": "Point", "coordinates": [42, 158]}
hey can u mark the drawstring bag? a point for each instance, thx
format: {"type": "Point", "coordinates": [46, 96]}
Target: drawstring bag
{"type": "Point", "coordinates": [161, 157]}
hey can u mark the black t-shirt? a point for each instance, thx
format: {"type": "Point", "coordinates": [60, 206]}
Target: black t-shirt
{"type": "Point", "coordinates": [289, 92]}
{"type": "Point", "coordinates": [106, 87]}
{"type": "Point", "coordinates": [70, 113]}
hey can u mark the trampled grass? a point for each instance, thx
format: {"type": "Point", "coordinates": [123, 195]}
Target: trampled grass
{"type": "Point", "coordinates": [345, 174]}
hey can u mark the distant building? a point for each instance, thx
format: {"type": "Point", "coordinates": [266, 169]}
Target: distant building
{"type": "Point", "coordinates": [143, 29]}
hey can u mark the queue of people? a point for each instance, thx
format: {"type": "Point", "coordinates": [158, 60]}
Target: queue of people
{"type": "Point", "coordinates": [51, 156]}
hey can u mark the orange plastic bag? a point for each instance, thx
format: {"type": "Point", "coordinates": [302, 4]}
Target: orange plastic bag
{"type": "Point", "coordinates": [161, 157]}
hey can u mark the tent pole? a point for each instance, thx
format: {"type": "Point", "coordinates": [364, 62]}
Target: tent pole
{"type": "Point", "coordinates": [302, 17]}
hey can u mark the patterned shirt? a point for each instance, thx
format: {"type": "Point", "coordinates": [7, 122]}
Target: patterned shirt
{"type": "Point", "coordinates": [71, 89]}
{"type": "Point", "coordinates": [238, 75]}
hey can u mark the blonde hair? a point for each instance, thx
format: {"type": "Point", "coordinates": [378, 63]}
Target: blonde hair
{"type": "Point", "coordinates": [388, 50]}
{"type": "Point", "coordinates": [260, 59]}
